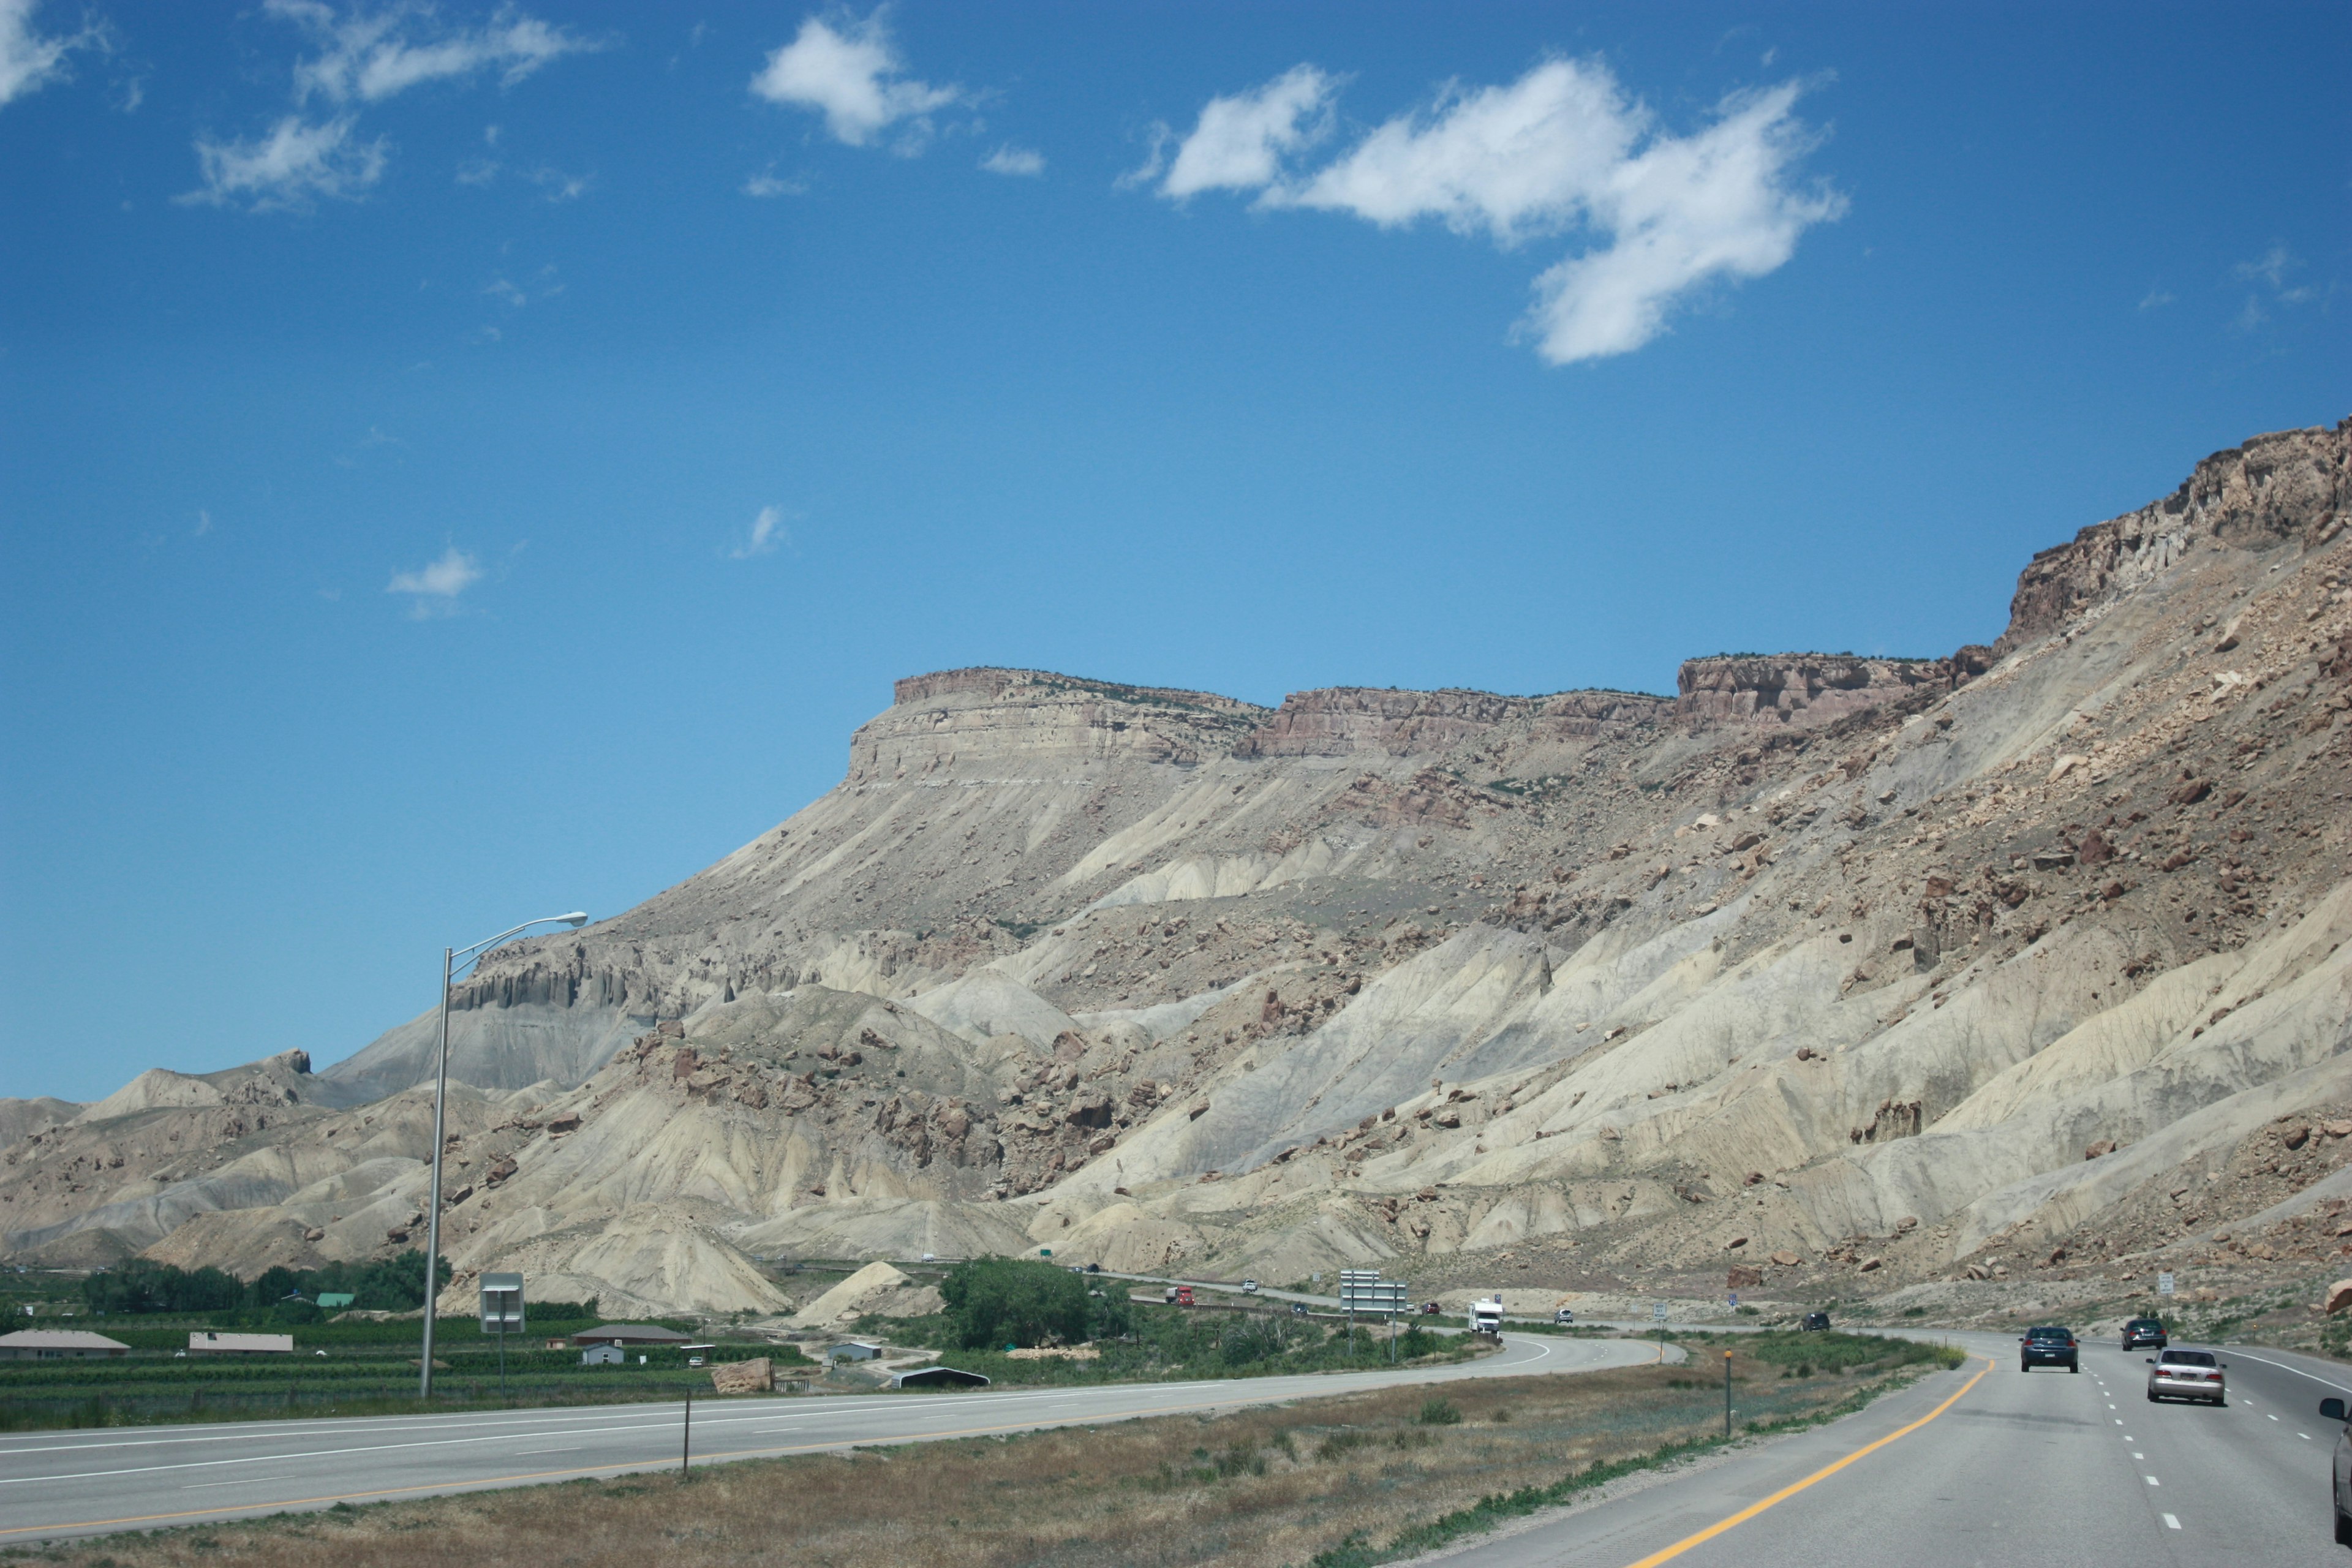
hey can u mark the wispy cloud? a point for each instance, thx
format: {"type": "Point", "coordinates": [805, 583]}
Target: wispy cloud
{"type": "Point", "coordinates": [203, 524]}
{"type": "Point", "coordinates": [289, 167]}
{"type": "Point", "coordinates": [2268, 274]}
{"type": "Point", "coordinates": [362, 56]}
{"type": "Point", "coordinates": [1563, 150]}
{"type": "Point", "coordinates": [850, 72]}
{"type": "Point", "coordinates": [373, 54]}
{"type": "Point", "coordinates": [2271, 269]}
{"type": "Point", "coordinates": [31, 59]}
{"type": "Point", "coordinates": [768, 182]}
{"type": "Point", "coordinates": [433, 588]}
{"type": "Point", "coordinates": [2156, 298]}
{"type": "Point", "coordinates": [769, 530]}
{"type": "Point", "coordinates": [1011, 160]}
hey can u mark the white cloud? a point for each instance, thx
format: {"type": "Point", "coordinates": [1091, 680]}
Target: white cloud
{"type": "Point", "coordinates": [373, 54]}
{"type": "Point", "coordinates": [1563, 150]}
{"type": "Point", "coordinates": [203, 524]}
{"type": "Point", "coordinates": [433, 588]}
{"type": "Point", "coordinates": [2156, 298]}
{"type": "Point", "coordinates": [30, 60]}
{"type": "Point", "coordinates": [1011, 160]}
{"type": "Point", "coordinates": [364, 57]}
{"type": "Point", "coordinates": [770, 184]}
{"type": "Point", "coordinates": [768, 531]}
{"type": "Point", "coordinates": [295, 163]}
{"type": "Point", "coordinates": [852, 76]}
{"type": "Point", "coordinates": [2271, 270]}
{"type": "Point", "coordinates": [1239, 143]}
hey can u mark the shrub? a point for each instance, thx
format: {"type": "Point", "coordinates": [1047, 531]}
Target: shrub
{"type": "Point", "coordinates": [1436, 1412]}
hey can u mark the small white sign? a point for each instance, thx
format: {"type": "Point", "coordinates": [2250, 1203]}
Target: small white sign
{"type": "Point", "coordinates": [1657, 1312]}
{"type": "Point", "coordinates": [2164, 1284]}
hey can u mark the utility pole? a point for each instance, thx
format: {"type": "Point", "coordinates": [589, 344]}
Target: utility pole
{"type": "Point", "coordinates": [686, 1452]}
{"type": "Point", "coordinates": [451, 960]}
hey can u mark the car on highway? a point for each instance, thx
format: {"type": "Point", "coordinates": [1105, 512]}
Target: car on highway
{"type": "Point", "coordinates": [2141, 1332]}
{"type": "Point", "coordinates": [2339, 1485]}
{"type": "Point", "coordinates": [2187, 1375]}
{"type": "Point", "coordinates": [2048, 1345]}
{"type": "Point", "coordinates": [1562, 1318]}
{"type": "Point", "coordinates": [1249, 1286]}
{"type": "Point", "coordinates": [1815, 1323]}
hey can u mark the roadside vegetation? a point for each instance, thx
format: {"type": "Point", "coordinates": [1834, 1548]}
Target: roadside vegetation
{"type": "Point", "coordinates": [998, 1305]}
{"type": "Point", "coordinates": [1342, 1482]}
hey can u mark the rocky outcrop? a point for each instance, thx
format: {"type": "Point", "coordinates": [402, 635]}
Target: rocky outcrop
{"type": "Point", "coordinates": [1799, 689]}
{"type": "Point", "coordinates": [970, 722]}
{"type": "Point", "coordinates": [2289, 487]}
{"type": "Point", "coordinates": [1343, 721]}
{"type": "Point", "coordinates": [1588, 715]}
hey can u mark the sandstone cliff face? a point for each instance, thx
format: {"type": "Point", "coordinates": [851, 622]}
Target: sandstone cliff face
{"type": "Point", "coordinates": [1840, 960]}
{"type": "Point", "coordinates": [2293, 487]}
{"type": "Point", "coordinates": [1343, 721]}
{"type": "Point", "coordinates": [1797, 688]}
{"type": "Point", "coordinates": [1026, 718]}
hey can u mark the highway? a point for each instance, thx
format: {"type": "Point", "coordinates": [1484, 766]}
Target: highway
{"type": "Point", "coordinates": [61, 1484]}
{"type": "Point", "coordinates": [1995, 1467]}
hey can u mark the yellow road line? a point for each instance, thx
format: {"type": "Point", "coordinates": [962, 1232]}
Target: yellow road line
{"type": "Point", "coordinates": [1752, 1509]}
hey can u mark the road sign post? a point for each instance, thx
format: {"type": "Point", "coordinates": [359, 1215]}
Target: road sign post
{"type": "Point", "coordinates": [2164, 1284]}
{"type": "Point", "coordinates": [502, 1311]}
{"type": "Point", "coordinates": [1727, 1394]}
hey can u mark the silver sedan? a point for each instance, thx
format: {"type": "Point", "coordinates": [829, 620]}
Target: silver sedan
{"type": "Point", "coordinates": [2188, 1375]}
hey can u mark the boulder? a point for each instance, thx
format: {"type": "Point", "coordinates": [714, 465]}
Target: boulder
{"type": "Point", "coordinates": [1786, 1260]}
{"type": "Point", "coordinates": [745, 1376]}
{"type": "Point", "coordinates": [2339, 1296]}
{"type": "Point", "coordinates": [1743, 1277]}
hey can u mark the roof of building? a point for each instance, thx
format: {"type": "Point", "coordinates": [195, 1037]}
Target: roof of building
{"type": "Point", "coordinates": [60, 1340]}
{"type": "Point", "coordinates": [631, 1333]}
{"type": "Point", "coordinates": [921, 1376]}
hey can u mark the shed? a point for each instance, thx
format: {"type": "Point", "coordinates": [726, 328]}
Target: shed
{"type": "Point", "coordinates": [853, 1350]}
{"type": "Point", "coordinates": [206, 1342]}
{"type": "Point", "coordinates": [940, 1377]}
{"type": "Point", "coordinates": [639, 1335]}
{"type": "Point", "coordinates": [603, 1355]}
{"type": "Point", "coordinates": [56, 1345]}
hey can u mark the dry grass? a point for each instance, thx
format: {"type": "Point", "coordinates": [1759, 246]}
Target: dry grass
{"type": "Point", "coordinates": [1259, 1487]}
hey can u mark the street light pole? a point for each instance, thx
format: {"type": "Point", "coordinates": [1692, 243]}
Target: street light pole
{"type": "Point", "coordinates": [449, 960]}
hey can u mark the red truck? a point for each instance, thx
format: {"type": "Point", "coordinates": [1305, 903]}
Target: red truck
{"type": "Point", "coordinates": [1180, 1295]}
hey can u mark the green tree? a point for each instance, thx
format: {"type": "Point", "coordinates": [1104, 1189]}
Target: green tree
{"type": "Point", "coordinates": [1018, 1301]}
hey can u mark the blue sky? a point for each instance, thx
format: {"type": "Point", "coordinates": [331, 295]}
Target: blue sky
{"type": "Point", "coordinates": [463, 462]}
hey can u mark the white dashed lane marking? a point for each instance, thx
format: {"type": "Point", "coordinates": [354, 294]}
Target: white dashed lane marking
{"type": "Point", "coordinates": [2151, 1480]}
{"type": "Point", "coordinates": [2170, 1523]}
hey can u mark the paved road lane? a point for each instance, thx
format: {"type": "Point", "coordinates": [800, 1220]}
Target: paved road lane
{"type": "Point", "coordinates": [1998, 1467]}
{"type": "Point", "coordinates": [54, 1484]}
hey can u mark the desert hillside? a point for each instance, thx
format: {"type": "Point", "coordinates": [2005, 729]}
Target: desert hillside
{"type": "Point", "coordinates": [1837, 969]}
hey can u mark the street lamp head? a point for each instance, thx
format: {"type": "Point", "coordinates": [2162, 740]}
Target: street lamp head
{"type": "Point", "coordinates": [576, 920]}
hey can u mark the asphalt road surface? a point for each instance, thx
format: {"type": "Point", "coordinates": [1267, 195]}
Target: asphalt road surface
{"type": "Point", "coordinates": [60, 1484]}
{"type": "Point", "coordinates": [1992, 1466]}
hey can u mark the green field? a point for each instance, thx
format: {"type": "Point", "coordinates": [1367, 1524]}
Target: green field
{"type": "Point", "coordinates": [368, 1368]}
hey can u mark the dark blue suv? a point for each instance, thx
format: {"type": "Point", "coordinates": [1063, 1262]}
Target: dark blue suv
{"type": "Point", "coordinates": [2141, 1332]}
{"type": "Point", "coordinates": [2048, 1346]}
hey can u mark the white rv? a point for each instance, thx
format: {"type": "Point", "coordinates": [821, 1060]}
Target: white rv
{"type": "Point", "coordinates": [1487, 1316]}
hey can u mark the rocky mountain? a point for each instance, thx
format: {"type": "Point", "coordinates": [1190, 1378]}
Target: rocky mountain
{"type": "Point", "coordinates": [1824, 965]}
